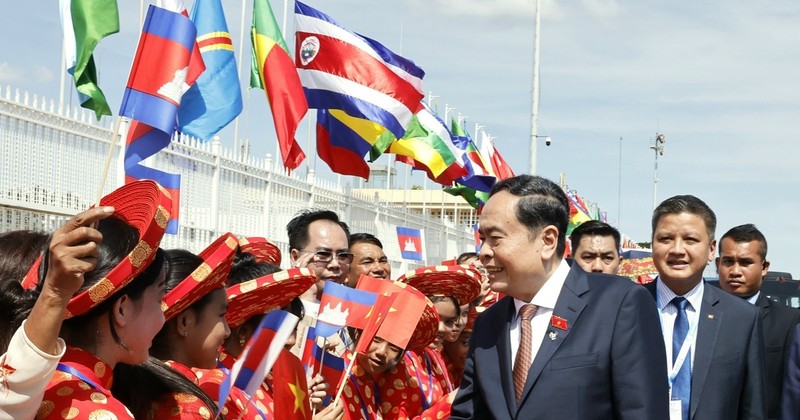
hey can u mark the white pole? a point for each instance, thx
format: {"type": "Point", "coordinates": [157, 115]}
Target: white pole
{"type": "Point", "coordinates": [619, 189]}
{"type": "Point", "coordinates": [239, 63]}
{"type": "Point", "coordinates": [535, 93]}
{"type": "Point", "coordinates": [63, 75]}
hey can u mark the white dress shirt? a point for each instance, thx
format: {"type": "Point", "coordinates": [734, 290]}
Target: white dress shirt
{"type": "Point", "coordinates": [545, 300]}
{"type": "Point", "coordinates": [754, 298]}
{"type": "Point", "coordinates": [669, 312]}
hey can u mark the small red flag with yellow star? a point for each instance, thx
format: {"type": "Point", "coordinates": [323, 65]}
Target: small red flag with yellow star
{"type": "Point", "coordinates": [558, 322]}
{"type": "Point", "coordinates": [290, 388]}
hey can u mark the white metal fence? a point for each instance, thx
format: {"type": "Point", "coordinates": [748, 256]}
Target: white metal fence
{"type": "Point", "coordinates": [51, 159]}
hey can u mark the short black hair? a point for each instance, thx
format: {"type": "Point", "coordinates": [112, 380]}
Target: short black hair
{"type": "Point", "coordinates": [746, 233]}
{"type": "Point", "coordinates": [297, 228]}
{"type": "Point", "coordinates": [686, 204]}
{"type": "Point", "coordinates": [365, 238]}
{"type": "Point", "coordinates": [594, 228]}
{"type": "Point", "coordinates": [542, 203]}
{"type": "Point", "coordinates": [465, 256]}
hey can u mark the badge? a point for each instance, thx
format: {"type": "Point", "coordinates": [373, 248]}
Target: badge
{"type": "Point", "coordinates": [552, 335]}
{"type": "Point", "coordinates": [558, 322]}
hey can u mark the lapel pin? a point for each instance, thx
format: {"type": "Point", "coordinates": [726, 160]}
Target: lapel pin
{"type": "Point", "coordinates": [558, 322]}
{"type": "Point", "coordinates": [552, 335]}
{"type": "Point", "coordinates": [710, 316]}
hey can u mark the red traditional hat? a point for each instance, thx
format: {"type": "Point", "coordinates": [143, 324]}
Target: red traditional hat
{"type": "Point", "coordinates": [211, 274]}
{"type": "Point", "coordinates": [460, 281]}
{"type": "Point", "coordinates": [262, 249]}
{"type": "Point", "coordinates": [145, 206]}
{"type": "Point", "coordinates": [427, 329]}
{"type": "Point", "coordinates": [265, 294]}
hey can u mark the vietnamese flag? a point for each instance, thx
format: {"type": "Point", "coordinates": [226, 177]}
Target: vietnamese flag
{"type": "Point", "coordinates": [290, 388]}
{"type": "Point", "coordinates": [383, 305]}
{"type": "Point", "coordinates": [273, 70]}
{"type": "Point", "coordinates": [403, 315]}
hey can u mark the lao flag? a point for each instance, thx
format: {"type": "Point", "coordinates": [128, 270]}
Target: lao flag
{"type": "Point", "coordinates": [410, 243]}
{"type": "Point", "coordinates": [342, 306]}
{"type": "Point", "coordinates": [260, 354]}
{"type": "Point", "coordinates": [290, 388]}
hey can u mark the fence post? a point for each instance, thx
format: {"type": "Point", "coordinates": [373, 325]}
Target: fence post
{"type": "Point", "coordinates": [216, 148]}
{"type": "Point", "coordinates": [312, 185]}
{"type": "Point", "coordinates": [267, 194]}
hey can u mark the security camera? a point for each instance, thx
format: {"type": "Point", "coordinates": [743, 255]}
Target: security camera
{"type": "Point", "coordinates": [548, 140]}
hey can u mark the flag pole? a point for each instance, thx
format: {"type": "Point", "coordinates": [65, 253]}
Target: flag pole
{"type": "Point", "coordinates": [107, 163]}
{"type": "Point", "coordinates": [239, 64]}
{"type": "Point", "coordinates": [344, 382]}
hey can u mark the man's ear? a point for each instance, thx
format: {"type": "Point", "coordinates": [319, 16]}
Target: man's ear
{"type": "Point", "coordinates": [549, 238]}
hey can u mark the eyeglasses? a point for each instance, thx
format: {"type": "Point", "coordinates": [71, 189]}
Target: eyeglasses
{"type": "Point", "coordinates": [327, 256]}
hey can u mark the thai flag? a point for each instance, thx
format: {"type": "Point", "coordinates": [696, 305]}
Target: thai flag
{"type": "Point", "coordinates": [342, 306]}
{"type": "Point", "coordinates": [410, 241]}
{"type": "Point", "coordinates": [340, 69]}
{"type": "Point", "coordinates": [260, 354]}
{"type": "Point", "coordinates": [160, 74]}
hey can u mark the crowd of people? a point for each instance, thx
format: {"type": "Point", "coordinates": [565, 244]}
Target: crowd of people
{"type": "Point", "coordinates": [100, 322]}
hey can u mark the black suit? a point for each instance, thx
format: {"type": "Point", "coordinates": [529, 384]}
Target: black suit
{"type": "Point", "coordinates": [728, 370]}
{"type": "Point", "coordinates": [610, 363]}
{"type": "Point", "coordinates": [778, 321]}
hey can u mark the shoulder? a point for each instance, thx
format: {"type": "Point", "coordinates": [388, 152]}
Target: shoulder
{"type": "Point", "coordinates": [178, 405]}
{"type": "Point", "coordinates": [69, 397]}
{"type": "Point", "coordinates": [729, 302]}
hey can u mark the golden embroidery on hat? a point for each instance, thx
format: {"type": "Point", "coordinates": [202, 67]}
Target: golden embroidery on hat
{"type": "Point", "coordinates": [140, 253]}
{"type": "Point", "coordinates": [100, 290]}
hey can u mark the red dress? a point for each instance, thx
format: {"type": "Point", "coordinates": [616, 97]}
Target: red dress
{"type": "Point", "coordinates": [414, 386]}
{"type": "Point", "coordinates": [80, 389]}
{"type": "Point", "coordinates": [360, 394]}
{"type": "Point", "coordinates": [209, 380]}
{"type": "Point", "coordinates": [181, 405]}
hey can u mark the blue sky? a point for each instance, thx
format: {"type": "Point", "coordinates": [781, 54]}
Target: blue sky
{"type": "Point", "coordinates": [719, 79]}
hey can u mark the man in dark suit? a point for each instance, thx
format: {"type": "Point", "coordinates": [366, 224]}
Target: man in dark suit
{"type": "Point", "coordinates": [563, 343]}
{"type": "Point", "coordinates": [742, 265]}
{"type": "Point", "coordinates": [715, 354]}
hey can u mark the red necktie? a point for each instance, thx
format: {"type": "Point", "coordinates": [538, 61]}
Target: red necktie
{"type": "Point", "coordinates": [524, 356]}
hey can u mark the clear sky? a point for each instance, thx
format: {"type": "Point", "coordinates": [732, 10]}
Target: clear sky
{"type": "Point", "coordinates": [719, 79]}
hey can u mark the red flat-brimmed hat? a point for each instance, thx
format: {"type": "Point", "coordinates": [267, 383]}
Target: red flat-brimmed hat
{"type": "Point", "coordinates": [262, 249]}
{"type": "Point", "coordinates": [460, 281]}
{"type": "Point", "coordinates": [211, 274]}
{"type": "Point", "coordinates": [267, 293]}
{"type": "Point", "coordinates": [427, 329]}
{"type": "Point", "coordinates": [144, 205]}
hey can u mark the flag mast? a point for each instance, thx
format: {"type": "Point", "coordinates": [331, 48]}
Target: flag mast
{"type": "Point", "coordinates": [535, 93]}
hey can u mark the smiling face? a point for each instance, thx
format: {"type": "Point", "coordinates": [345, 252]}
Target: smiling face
{"type": "Point", "coordinates": [517, 261]}
{"type": "Point", "coordinates": [325, 236]}
{"type": "Point", "coordinates": [740, 267]}
{"type": "Point", "coordinates": [370, 260]}
{"type": "Point", "coordinates": [461, 322]}
{"type": "Point", "coordinates": [208, 332]}
{"type": "Point", "coordinates": [681, 250]}
{"type": "Point", "coordinates": [448, 316]}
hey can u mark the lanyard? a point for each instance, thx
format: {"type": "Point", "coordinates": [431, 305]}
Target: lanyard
{"type": "Point", "coordinates": [426, 400]}
{"type": "Point", "coordinates": [442, 366]}
{"type": "Point", "coordinates": [682, 354]}
{"type": "Point", "coordinates": [375, 394]}
{"type": "Point", "coordinates": [74, 372]}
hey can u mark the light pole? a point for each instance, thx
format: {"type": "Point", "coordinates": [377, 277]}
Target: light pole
{"type": "Point", "coordinates": [535, 94]}
{"type": "Point", "coordinates": [658, 147]}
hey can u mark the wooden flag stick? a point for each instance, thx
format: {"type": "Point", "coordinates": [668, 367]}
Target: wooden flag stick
{"type": "Point", "coordinates": [344, 381]}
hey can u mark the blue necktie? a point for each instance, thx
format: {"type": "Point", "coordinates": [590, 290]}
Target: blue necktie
{"type": "Point", "coordinates": [682, 385]}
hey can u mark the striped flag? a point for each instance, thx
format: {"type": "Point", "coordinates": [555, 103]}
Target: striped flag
{"type": "Point", "coordinates": [273, 70]}
{"type": "Point", "coordinates": [410, 241]}
{"type": "Point", "coordinates": [500, 167]}
{"type": "Point", "coordinates": [259, 354]}
{"type": "Point", "coordinates": [480, 178]}
{"type": "Point", "coordinates": [342, 306]}
{"type": "Point", "coordinates": [216, 99]}
{"type": "Point", "coordinates": [85, 23]}
{"type": "Point", "coordinates": [159, 76]}
{"type": "Point", "coordinates": [339, 146]}
{"type": "Point", "coordinates": [342, 70]}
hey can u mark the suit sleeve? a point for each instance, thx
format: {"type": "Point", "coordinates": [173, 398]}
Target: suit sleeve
{"type": "Point", "coordinates": [753, 401]}
{"type": "Point", "coordinates": [790, 397]}
{"type": "Point", "coordinates": [639, 368]}
{"type": "Point", "coordinates": [469, 402]}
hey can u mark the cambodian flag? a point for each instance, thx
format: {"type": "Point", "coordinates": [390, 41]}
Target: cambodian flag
{"type": "Point", "coordinates": [410, 243]}
{"type": "Point", "coordinates": [159, 76]}
{"type": "Point", "coordinates": [342, 306]}
{"type": "Point", "coordinates": [260, 354]}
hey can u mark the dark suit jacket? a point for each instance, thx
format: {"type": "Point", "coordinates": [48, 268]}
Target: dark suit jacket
{"type": "Point", "coordinates": [790, 401]}
{"type": "Point", "coordinates": [610, 363]}
{"type": "Point", "coordinates": [728, 371]}
{"type": "Point", "coordinates": [778, 321]}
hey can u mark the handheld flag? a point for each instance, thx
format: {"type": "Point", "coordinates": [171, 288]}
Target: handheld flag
{"type": "Point", "coordinates": [404, 313]}
{"type": "Point", "coordinates": [216, 98]}
{"type": "Point", "coordinates": [85, 23]}
{"type": "Point", "coordinates": [159, 76]}
{"type": "Point", "coordinates": [410, 243]}
{"type": "Point", "coordinates": [340, 69]}
{"type": "Point", "coordinates": [290, 388]}
{"type": "Point", "coordinates": [342, 306]}
{"type": "Point", "coordinates": [273, 70]}
{"type": "Point", "coordinates": [383, 304]}
{"type": "Point", "coordinates": [260, 354]}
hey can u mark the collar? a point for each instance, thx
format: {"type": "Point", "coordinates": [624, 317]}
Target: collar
{"type": "Point", "coordinates": [664, 295]}
{"type": "Point", "coordinates": [754, 298]}
{"type": "Point", "coordinates": [89, 365]}
{"type": "Point", "coordinates": [183, 370]}
{"type": "Point", "coordinates": [548, 294]}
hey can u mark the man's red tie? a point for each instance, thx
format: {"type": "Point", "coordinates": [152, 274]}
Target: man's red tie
{"type": "Point", "coordinates": [524, 356]}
